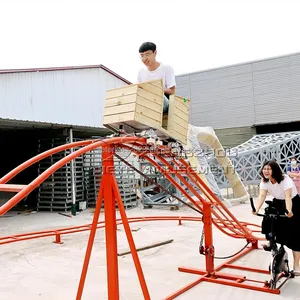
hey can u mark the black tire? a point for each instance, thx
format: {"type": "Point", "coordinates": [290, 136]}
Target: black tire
{"type": "Point", "coordinates": [274, 273]}
{"type": "Point", "coordinates": [287, 271]}
{"type": "Point", "coordinates": [273, 282]}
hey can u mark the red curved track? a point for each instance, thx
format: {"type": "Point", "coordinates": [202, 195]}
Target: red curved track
{"type": "Point", "coordinates": [74, 229]}
{"type": "Point", "coordinates": [223, 219]}
{"type": "Point", "coordinates": [86, 227]}
{"type": "Point", "coordinates": [167, 163]}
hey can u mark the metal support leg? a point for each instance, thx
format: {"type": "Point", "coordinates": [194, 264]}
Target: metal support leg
{"type": "Point", "coordinates": [111, 194]}
{"type": "Point", "coordinates": [73, 208]}
{"type": "Point", "coordinates": [208, 238]}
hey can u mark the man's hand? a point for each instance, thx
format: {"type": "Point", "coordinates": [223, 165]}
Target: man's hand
{"type": "Point", "coordinates": [169, 91]}
{"type": "Point", "coordinates": [255, 212]}
{"type": "Point", "coordinates": [289, 214]}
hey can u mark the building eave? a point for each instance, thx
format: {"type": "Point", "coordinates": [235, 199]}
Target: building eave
{"type": "Point", "coordinates": [9, 71]}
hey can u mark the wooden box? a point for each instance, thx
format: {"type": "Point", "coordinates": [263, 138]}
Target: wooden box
{"type": "Point", "coordinates": [178, 118]}
{"type": "Point", "coordinates": [139, 106]}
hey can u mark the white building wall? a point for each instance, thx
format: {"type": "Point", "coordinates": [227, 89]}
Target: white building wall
{"type": "Point", "coordinates": [244, 95]}
{"type": "Point", "coordinates": [68, 97]}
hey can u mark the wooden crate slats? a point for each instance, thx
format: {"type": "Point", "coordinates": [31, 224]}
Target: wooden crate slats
{"type": "Point", "coordinates": [122, 100]}
{"type": "Point", "coordinates": [140, 106]}
{"type": "Point", "coordinates": [122, 91]}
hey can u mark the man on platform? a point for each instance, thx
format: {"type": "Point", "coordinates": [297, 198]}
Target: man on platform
{"type": "Point", "coordinates": [156, 70]}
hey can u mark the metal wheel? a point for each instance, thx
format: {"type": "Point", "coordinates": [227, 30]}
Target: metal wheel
{"type": "Point", "coordinates": [274, 274]}
{"type": "Point", "coordinates": [287, 269]}
{"type": "Point", "coordinates": [273, 282]}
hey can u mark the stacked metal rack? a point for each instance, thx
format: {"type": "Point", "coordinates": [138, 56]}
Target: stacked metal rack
{"type": "Point", "coordinates": [92, 175]}
{"type": "Point", "coordinates": [126, 178]}
{"type": "Point", "coordinates": [151, 194]}
{"type": "Point", "coordinates": [55, 193]}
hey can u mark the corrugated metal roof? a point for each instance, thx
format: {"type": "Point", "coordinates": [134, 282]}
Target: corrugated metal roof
{"type": "Point", "coordinates": [290, 56]}
{"type": "Point", "coordinates": [13, 124]}
{"type": "Point", "coordinates": [7, 71]}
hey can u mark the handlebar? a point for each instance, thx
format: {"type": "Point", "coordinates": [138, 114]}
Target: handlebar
{"type": "Point", "coordinates": [263, 215]}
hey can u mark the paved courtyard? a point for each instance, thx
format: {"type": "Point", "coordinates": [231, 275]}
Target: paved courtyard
{"type": "Point", "coordinates": [42, 270]}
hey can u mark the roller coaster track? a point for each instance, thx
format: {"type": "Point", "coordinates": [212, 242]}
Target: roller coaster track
{"type": "Point", "coordinates": [159, 157]}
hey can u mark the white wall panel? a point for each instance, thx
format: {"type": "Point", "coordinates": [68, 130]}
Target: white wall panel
{"type": "Point", "coordinates": [69, 97]}
{"type": "Point", "coordinates": [254, 93]}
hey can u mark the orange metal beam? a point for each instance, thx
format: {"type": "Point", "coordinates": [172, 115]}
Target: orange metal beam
{"type": "Point", "coordinates": [12, 187]}
{"type": "Point", "coordinates": [110, 193]}
{"type": "Point", "coordinates": [75, 229]}
{"type": "Point", "coordinates": [132, 247]}
{"type": "Point", "coordinates": [110, 224]}
{"type": "Point", "coordinates": [214, 275]}
{"type": "Point", "coordinates": [88, 252]}
{"type": "Point", "coordinates": [223, 218]}
{"type": "Point", "coordinates": [42, 177]}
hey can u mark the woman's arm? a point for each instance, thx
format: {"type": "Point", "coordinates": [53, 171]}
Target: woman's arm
{"type": "Point", "coordinates": [261, 198]}
{"type": "Point", "coordinates": [288, 201]}
{"type": "Point", "coordinates": [293, 175]}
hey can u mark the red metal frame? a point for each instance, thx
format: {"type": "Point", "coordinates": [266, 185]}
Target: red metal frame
{"type": "Point", "coordinates": [220, 216]}
{"type": "Point", "coordinates": [213, 275]}
{"type": "Point", "coordinates": [110, 192]}
{"type": "Point", "coordinates": [58, 233]}
{"type": "Point", "coordinates": [224, 220]}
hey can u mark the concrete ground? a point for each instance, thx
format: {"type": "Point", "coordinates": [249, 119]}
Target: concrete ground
{"type": "Point", "coordinates": [39, 269]}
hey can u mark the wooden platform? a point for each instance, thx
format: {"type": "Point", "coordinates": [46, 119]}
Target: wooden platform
{"type": "Point", "coordinates": [139, 107]}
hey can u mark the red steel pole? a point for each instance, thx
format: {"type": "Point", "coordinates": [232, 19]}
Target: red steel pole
{"type": "Point", "coordinates": [110, 223]}
{"type": "Point", "coordinates": [132, 247]}
{"type": "Point", "coordinates": [90, 243]}
{"type": "Point", "coordinates": [208, 237]}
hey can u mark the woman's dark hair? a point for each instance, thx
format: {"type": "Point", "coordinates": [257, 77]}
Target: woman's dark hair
{"type": "Point", "coordinates": [276, 171]}
{"type": "Point", "coordinates": [147, 46]}
{"type": "Point", "coordinates": [295, 158]}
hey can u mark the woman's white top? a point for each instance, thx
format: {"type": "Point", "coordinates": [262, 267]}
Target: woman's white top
{"type": "Point", "coordinates": [277, 190]}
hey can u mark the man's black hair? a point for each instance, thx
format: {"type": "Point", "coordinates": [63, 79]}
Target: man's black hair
{"type": "Point", "coordinates": [147, 46]}
{"type": "Point", "coordinates": [276, 171]}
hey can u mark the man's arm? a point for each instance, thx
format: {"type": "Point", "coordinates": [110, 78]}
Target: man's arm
{"type": "Point", "coordinates": [170, 81]}
{"type": "Point", "coordinates": [138, 77]}
{"type": "Point", "coordinates": [170, 91]}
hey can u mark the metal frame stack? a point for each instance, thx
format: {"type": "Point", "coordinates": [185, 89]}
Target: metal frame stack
{"type": "Point", "coordinates": [125, 176]}
{"type": "Point", "coordinates": [127, 182]}
{"type": "Point", "coordinates": [55, 193]}
{"type": "Point", "coordinates": [153, 195]}
{"type": "Point", "coordinates": [92, 175]}
{"type": "Point", "coordinates": [249, 157]}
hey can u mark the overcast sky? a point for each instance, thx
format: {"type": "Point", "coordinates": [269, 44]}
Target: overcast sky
{"type": "Point", "coordinates": [190, 35]}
